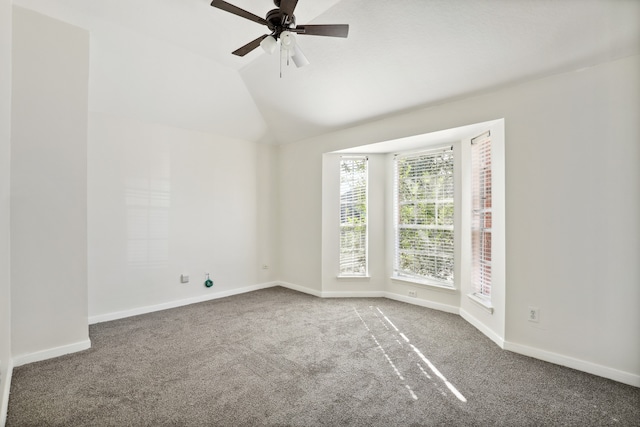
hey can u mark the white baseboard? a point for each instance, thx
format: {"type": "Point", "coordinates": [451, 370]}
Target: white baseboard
{"type": "Point", "coordinates": [483, 328]}
{"type": "Point", "coordinates": [352, 294]}
{"type": "Point", "coordinates": [50, 353]}
{"type": "Point", "coordinates": [577, 364]}
{"type": "Point", "coordinates": [179, 303]}
{"type": "Point", "coordinates": [6, 389]}
{"type": "Point", "coordinates": [299, 288]}
{"type": "Point", "coordinates": [371, 294]}
{"type": "Point", "coordinates": [422, 303]}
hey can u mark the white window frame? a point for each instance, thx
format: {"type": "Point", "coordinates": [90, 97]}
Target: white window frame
{"type": "Point", "coordinates": [481, 217]}
{"type": "Point", "coordinates": [348, 267]}
{"type": "Point", "coordinates": [400, 273]}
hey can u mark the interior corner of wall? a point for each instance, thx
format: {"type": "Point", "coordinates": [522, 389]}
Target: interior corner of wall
{"type": "Point", "coordinates": [5, 389]}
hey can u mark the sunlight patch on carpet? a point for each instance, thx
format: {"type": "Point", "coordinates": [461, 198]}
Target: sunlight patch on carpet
{"type": "Point", "coordinates": [386, 322]}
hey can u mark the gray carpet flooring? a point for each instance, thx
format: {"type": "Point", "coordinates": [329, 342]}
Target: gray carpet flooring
{"type": "Point", "coordinates": [278, 357]}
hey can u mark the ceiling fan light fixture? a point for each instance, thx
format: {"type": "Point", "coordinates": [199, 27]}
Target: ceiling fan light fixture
{"type": "Point", "coordinates": [287, 41]}
{"type": "Point", "coordinates": [269, 44]}
{"type": "Point", "coordinates": [298, 57]}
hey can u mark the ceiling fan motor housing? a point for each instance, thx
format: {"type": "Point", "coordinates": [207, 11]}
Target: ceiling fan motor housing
{"type": "Point", "coordinates": [275, 21]}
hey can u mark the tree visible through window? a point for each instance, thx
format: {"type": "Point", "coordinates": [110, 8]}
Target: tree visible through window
{"type": "Point", "coordinates": [424, 216]}
{"type": "Point", "coordinates": [353, 216]}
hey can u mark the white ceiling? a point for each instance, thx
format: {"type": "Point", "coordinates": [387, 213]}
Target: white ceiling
{"type": "Point", "coordinates": [169, 60]}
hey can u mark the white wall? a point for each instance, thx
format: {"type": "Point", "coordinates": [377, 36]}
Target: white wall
{"type": "Point", "coordinates": [572, 203]}
{"type": "Point", "coordinates": [300, 241]}
{"type": "Point", "coordinates": [173, 198]}
{"type": "Point", "coordinates": [267, 212]}
{"type": "Point", "coordinates": [48, 186]}
{"type": "Point", "coordinates": [5, 153]}
{"type": "Point", "coordinates": [165, 201]}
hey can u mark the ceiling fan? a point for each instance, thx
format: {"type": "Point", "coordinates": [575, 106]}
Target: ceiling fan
{"type": "Point", "coordinates": [282, 23]}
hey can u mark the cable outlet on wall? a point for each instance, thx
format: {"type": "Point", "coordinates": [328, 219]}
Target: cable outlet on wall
{"type": "Point", "coordinates": [413, 294]}
{"type": "Point", "coordinates": [534, 314]}
{"type": "Point", "coordinates": [184, 278]}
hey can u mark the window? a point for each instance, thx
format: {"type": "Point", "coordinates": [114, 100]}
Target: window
{"type": "Point", "coordinates": [353, 216]}
{"type": "Point", "coordinates": [481, 215]}
{"type": "Point", "coordinates": [424, 209]}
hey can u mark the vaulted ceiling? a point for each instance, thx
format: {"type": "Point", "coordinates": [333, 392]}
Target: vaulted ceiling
{"type": "Point", "coordinates": [169, 61]}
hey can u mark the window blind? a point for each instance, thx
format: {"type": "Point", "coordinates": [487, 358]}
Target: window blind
{"type": "Point", "coordinates": [353, 216]}
{"type": "Point", "coordinates": [481, 216]}
{"type": "Point", "coordinates": [424, 216]}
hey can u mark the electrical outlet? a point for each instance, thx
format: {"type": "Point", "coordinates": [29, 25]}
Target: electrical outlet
{"type": "Point", "coordinates": [413, 294]}
{"type": "Point", "coordinates": [534, 314]}
{"type": "Point", "coordinates": [184, 278]}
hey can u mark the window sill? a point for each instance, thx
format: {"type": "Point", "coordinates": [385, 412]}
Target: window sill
{"type": "Point", "coordinates": [366, 278]}
{"type": "Point", "coordinates": [486, 305]}
{"type": "Point", "coordinates": [423, 283]}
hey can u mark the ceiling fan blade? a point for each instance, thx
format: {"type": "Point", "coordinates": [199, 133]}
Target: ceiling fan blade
{"type": "Point", "coordinates": [237, 11]}
{"type": "Point", "coordinates": [249, 46]}
{"type": "Point", "coordinates": [287, 6]}
{"type": "Point", "coordinates": [336, 30]}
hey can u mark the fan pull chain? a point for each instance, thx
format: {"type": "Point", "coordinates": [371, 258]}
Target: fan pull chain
{"type": "Point", "coordinates": [280, 60]}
